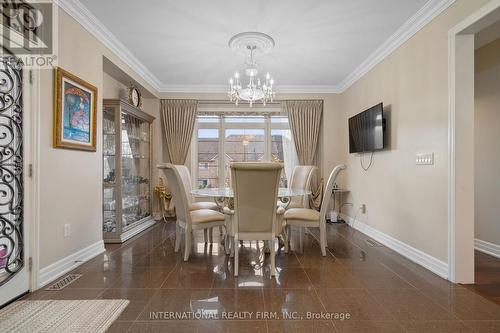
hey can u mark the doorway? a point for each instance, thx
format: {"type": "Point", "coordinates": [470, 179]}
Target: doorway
{"type": "Point", "coordinates": [461, 189]}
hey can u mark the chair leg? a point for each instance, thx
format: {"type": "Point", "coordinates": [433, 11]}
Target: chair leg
{"type": "Point", "coordinates": [233, 246]}
{"type": "Point", "coordinates": [205, 238]}
{"type": "Point", "coordinates": [177, 236]}
{"type": "Point", "coordinates": [301, 239]}
{"type": "Point", "coordinates": [236, 256]}
{"type": "Point", "coordinates": [187, 245]}
{"type": "Point", "coordinates": [322, 238]}
{"type": "Point", "coordinates": [211, 235]}
{"type": "Point", "coordinates": [287, 238]}
{"type": "Point", "coordinates": [273, 258]}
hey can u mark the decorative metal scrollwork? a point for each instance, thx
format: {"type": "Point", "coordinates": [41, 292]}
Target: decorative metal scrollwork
{"type": "Point", "coordinates": [11, 168]}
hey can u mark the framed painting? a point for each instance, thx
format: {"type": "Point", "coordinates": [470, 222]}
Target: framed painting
{"type": "Point", "coordinates": [75, 104]}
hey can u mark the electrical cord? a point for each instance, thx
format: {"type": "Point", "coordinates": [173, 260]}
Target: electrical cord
{"type": "Point", "coordinates": [361, 161]}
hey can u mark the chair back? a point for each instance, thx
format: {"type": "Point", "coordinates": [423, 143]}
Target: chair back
{"type": "Point", "coordinates": [328, 190]}
{"type": "Point", "coordinates": [301, 180]}
{"type": "Point", "coordinates": [176, 186]}
{"type": "Point", "coordinates": [186, 181]}
{"type": "Point", "coordinates": [255, 186]}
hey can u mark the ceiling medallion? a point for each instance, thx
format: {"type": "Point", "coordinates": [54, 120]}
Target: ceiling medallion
{"type": "Point", "coordinates": [251, 45]}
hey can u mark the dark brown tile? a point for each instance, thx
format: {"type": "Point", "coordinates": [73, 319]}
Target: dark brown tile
{"type": "Point", "coordinates": [229, 326]}
{"type": "Point", "coordinates": [89, 293]}
{"type": "Point", "coordinates": [295, 326]}
{"type": "Point", "coordinates": [356, 302]}
{"type": "Point", "coordinates": [332, 277]}
{"type": "Point", "coordinates": [467, 305]}
{"type": "Point", "coordinates": [368, 326]}
{"type": "Point", "coordinates": [484, 326]}
{"type": "Point", "coordinates": [190, 276]}
{"type": "Point", "coordinates": [410, 304]}
{"type": "Point", "coordinates": [294, 302]}
{"type": "Point", "coordinates": [148, 277]}
{"type": "Point", "coordinates": [380, 277]}
{"type": "Point", "coordinates": [178, 302]}
{"type": "Point", "coordinates": [442, 326]}
{"type": "Point", "coordinates": [288, 278]}
{"type": "Point", "coordinates": [167, 326]}
{"type": "Point", "coordinates": [236, 300]}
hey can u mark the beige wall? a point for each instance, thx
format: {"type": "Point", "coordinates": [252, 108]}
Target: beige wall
{"type": "Point", "coordinates": [406, 201]}
{"type": "Point", "coordinates": [70, 180]}
{"type": "Point", "coordinates": [487, 143]}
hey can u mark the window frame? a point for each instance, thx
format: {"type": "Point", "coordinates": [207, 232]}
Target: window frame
{"type": "Point", "coordinates": [221, 126]}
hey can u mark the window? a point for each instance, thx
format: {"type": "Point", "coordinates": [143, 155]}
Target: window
{"type": "Point", "coordinates": [222, 139]}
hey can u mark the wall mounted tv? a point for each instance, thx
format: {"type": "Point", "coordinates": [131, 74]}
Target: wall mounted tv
{"type": "Point", "coordinates": [366, 130]}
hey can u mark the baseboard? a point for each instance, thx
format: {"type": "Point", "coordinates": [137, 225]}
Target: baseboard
{"type": "Point", "coordinates": [61, 267]}
{"type": "Point", "coordinates": [487, 247]}
{"type": "Point", "coordinates": [421, 258]}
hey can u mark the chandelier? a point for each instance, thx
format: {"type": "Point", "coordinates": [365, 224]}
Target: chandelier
{"type": "Point", "coordinates": [251, 45]}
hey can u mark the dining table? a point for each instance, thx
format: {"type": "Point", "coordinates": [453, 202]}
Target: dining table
{"type": "Point", "coordinates": [224, 198]}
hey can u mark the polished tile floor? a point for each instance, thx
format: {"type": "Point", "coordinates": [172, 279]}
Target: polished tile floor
{"type": "Point", "coordinates": [487, 277]}
{"type": "Point", "coordinates": [378, 290]}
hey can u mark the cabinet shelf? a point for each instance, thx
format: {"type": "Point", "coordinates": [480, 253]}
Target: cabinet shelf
{"type": "Point", "coordinates": [127, 206]}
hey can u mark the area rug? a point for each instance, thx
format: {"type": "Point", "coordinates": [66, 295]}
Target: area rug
{"type": "Point", "coordinates": [61, 316]}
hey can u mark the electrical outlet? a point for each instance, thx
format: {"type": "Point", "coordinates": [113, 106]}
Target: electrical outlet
{"type": "Point", "coordinates": [67, 230]}
{"type": "Point", "coordinates": [363, 208]}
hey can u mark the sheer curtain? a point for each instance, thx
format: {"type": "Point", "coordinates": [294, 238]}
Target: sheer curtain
{"type": "Point", "coordinates": [305, 117]}
{"type": "Point", "coordinates": [290, 159]}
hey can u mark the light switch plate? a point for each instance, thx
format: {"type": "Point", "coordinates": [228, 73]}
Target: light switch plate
{"type": "Point", "coordinates": [424, 159]}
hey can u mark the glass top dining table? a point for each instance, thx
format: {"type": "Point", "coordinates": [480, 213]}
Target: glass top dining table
{"type": "Point", "coordinates": [227, 192]}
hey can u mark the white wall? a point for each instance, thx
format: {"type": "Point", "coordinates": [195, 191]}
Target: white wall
{"type": "Point", "coordinates": [487, 143]}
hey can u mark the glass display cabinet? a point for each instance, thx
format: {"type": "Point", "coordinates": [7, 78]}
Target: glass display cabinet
{"type": "Point", "coordinates": [127, 200]}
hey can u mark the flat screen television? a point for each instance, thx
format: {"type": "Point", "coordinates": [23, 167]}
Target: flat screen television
{"type": "Point", "coordinates": [366, 130]}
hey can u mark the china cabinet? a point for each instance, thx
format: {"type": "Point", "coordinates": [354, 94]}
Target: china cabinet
{"type": "Point", "coordinates": [126, 171]}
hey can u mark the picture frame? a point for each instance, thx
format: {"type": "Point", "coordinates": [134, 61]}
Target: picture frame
{"type": "Point", "coordinates": [75, 112]}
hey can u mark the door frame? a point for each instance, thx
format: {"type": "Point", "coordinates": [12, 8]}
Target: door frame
{"type": "Point", "coordinates": [461, 141]}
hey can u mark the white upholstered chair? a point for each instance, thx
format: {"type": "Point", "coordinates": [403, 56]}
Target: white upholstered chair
{"type": "Point", "coordinates": [255, 188]}
{"type": "Point", "coordinates": [310, 218]}
{"type": "Point", "coordinates": [193, 205]}
{"type": "Point", "coordinates": [187, 219]}
{"type": "Point", "coordinates": [301, 179]}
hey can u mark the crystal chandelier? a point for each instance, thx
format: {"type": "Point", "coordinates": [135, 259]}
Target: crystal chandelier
{"type": "Point", "coordinates": [251, 44]}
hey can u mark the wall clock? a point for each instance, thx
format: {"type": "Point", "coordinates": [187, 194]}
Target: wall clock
{"type": "Point", "coordinates": [134, 97]}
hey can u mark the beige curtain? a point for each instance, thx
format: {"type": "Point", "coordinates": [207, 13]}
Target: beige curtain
{"type": "Point", "coordinates": [179, 117]}
{"type": "Point", "coordinates": [305, 123]}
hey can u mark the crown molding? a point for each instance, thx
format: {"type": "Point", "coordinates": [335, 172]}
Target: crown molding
{"type": "Point", "coordinates": [425, 15]}
{"type": "Point", "coordinates": [221, 88]}
{"type": "Point", "coordinates": [83, 16]}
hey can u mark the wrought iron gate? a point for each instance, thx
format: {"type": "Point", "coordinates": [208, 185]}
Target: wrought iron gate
{"type": "Point", "coordinates": [11, 168]}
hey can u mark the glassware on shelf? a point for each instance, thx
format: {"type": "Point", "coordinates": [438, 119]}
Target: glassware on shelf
{"type": "Point", "coordinates": [127, 180]}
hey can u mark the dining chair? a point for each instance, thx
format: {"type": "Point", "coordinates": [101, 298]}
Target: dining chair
{"type": "Point", "coordinates": [193, 204]}
{"type": "Point", "coordinates": [186, 218]}
{"type": "Point", "coordinates": [255, 186]}
{"type": "Point", "coordinates": [301, 179]}
{"type": "Point", "coordinates": [311, 218]}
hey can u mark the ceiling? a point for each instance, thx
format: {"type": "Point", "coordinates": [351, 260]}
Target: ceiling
{"type": "Point", "coordinates": [319, 43]}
